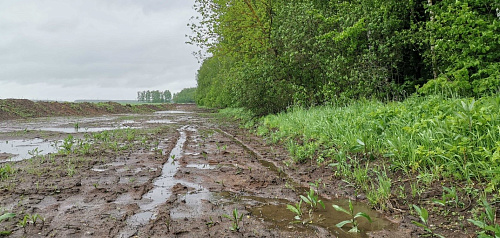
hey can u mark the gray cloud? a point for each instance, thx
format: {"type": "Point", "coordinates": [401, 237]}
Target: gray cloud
{"type": "Point", "coordinates": [127, 44]}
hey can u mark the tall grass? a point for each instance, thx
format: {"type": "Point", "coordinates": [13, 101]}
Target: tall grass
{"type": "Point", "coordinates": [453, 138]}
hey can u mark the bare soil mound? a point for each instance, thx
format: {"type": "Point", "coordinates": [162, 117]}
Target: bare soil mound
{"type": "Point", "coordinates": [23, 108]}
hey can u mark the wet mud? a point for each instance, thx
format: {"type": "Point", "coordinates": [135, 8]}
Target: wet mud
{"type": "Point", "coordinates": [175, 173]}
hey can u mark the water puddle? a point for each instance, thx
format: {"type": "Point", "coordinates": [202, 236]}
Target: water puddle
{"type": "Point", "coordinates": [275, 211]}
{"type": "Point", "coordinates": [161, 190]}
{"type": "Point", "coordinates": [326, 218]}
{"type": "Point", "coordinates": [201, 166]}
{"type": "Point", "coordinates": [193, 200]}
{"type": "Point", "coordinates": [162, 121]}
{"type": "Point", "coordinates": [83, 130]}
{"type": "Point", "coordinates": [172, 112]}
{"type": "Point", "coordinates": [106, 167]}
{"type": "Point", "coordinates": [25, 149]}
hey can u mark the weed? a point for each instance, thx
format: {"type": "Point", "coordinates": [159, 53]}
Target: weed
{"type": "Point", "coordinates": [316, 183]}
{"type": "Point", "coordinates": [424, 217]}
{"type": "Point", "coordinates": [296, 209]}
{"type": "Point", "coordinates": [235, 219]}
{"type": "Point", "coordinates": [70, 169]}
{"type": "Point", "coordinates": [35, 152]}
{"type": "Point", "coordinates": [24, 222]}
{"type": "Point", "coordinates": [67, 145]}
{"type": "Point", "coordinates": [5, 217]}
{"type": "Point", "coordinates": [210, 223]}
{"type": "Point", "coordinates": [5, 171]}
{"type": "Point", "coordinates": [312, 199]}
{"type": "Point", "coordinates": [433, 136]}
{"type": "Point", "coordinates": [449, 196]}
{"type": "Point", "coordinates": [487, 222]}
{"type": "Point", "coordinates": [354, 217]}
{"type": "Point", "coordinates": [381, 195]}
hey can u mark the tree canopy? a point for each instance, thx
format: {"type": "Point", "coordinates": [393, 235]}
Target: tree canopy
{"type": "Point", "coordinates": [154, 96]}
{"type": "Point", "coordinates": [268, 54]}
{"type": "Point", "coordinates": [186, 95]}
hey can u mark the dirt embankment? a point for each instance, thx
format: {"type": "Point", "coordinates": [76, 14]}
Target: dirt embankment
{"type": "Point", "coordinates": [23, 108]}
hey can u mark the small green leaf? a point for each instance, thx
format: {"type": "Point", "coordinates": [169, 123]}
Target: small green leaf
{"type": "Point", "coordinates": [322, 204]}
{"type": "Point", "coordinates": [479, 224]}
{"type": "Point", "coordinates": [340, 209]}
{"type": "Point", "coordinates": [362, 214]}
{"type": "Point", "coordinates": [440, 202]}
{"type": "Point", "coordinates": [7, 216]}
{"type": "Point", "coordinates": [343, 223]}
{"type": "Point", "coordinates": [354, 230]}
{"type": "Point", "coordinates": [306, 200]}
{"type": "Point", "coordinates": [419, 224]}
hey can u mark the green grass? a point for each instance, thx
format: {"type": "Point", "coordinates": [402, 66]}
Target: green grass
{"type": "Point", "coordinates": [445, 138]}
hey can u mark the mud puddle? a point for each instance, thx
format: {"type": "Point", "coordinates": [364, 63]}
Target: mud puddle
{"type": "Point", "coordinates": [173, 112]}
{"type": "Point", "coordinates": [162, 189]}
{"type": "Point", "coordinates": [84, 130]}
{"type": "Point", "coordinates": [276, 213]}
{"type": "Point", "coordinates": [16, 150]}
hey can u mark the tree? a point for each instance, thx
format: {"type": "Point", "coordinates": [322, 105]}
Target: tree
{"type": "Point", "coordinates": [186, 95]}
{"type": "Point", "coordinates": [268, 54]}
{"type": "Point", "coordinates": [167, 96]}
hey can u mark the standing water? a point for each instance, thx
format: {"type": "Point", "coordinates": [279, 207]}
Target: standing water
{"type": "Point", "coordinates": [161, 190]}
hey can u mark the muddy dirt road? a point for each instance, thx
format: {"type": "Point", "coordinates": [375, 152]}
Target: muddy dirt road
{"type": "Point", "coordinates": [180, 173]}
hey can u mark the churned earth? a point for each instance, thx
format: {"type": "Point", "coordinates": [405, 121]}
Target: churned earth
{"type": "Point", "coordinates": [178, 173]}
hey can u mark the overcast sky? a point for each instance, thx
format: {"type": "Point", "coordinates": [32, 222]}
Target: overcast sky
{"type": "Point", "coordinates": [94, 49]}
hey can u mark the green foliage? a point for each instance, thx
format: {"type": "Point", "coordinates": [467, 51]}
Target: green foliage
{"type": "Point", "coordinates": [296, 209]}
{"type": "Point", "coordinates": [449, 196]}
{"type": "Point", "coordinates": [452, 138]}
{"type": "Point", "coordinates": [465, 41]}
{"type": "Point", "coordinates": [266, 55]}
{"type": "Point", "coordinates": [4, 217]}
{"type": "Point", "coordinates": [487, 222]}
{"type": "Point", "coordinates": [354, 217]}
{"type": "Point", "coordinates": [235, 219]}
{"type": "Point", "coordinates": [186, 95]}
{"type": "Point", "coordinates": [6, 171]}
{"type": "Point", "coordinates": [67, 145]}
{"type": "Point", "coordinates": [424, 217]}
{"type": "Point", "coordinates": [154, 96]}
{"type": "Point", "coordinates": [312, 199]}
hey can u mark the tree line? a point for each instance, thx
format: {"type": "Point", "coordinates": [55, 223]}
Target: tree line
{"type": "Point", "coordinates": [186, 95]}
{"type": "Point", "coordinates": [154, 96]}
{"type": "Point", "coordinates": [266, 55]}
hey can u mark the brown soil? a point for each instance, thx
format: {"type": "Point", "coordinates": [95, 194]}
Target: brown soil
{"type": "Point", "coordinates": [221, 168]}
{"type": "Point", "coordinates": [23, 108]}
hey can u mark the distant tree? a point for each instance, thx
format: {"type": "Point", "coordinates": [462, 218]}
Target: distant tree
{"type": "Point", "coordinates": [167, 96]}
{"type": "Point", "coordinates": [187, 95]}
{"type": "Point", "coordinates": [148, 96]}
{"type": "Point", "coordinates": [155, 96]}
